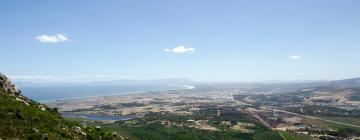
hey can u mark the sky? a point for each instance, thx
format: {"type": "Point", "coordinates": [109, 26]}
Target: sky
{"type": "Point", "coordinates": [202, 40]}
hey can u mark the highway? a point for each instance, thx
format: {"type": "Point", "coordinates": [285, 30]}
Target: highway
{"type": "Point", "coordinates": [317, 118]}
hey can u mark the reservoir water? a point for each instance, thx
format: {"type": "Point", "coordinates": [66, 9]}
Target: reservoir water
{"type": "Point", "coordinates": [97, 117]}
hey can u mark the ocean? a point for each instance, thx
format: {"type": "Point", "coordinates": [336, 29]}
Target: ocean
{"type": "Point", "coordinates": [44, 93]}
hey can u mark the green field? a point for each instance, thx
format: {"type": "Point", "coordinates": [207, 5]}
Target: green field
{"type": "Point", "coordinates": [356, 95]}
{"type": "Point", "coordinates": [157, 132]}
{"type": "Point", "coordinates": [353, 121]}
{"type": "Point", "coordinates": [295, 136]}
{"type": "Point", "coordinates": [329, 125]}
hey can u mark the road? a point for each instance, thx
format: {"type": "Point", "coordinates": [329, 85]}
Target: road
{"type": "Point", "coordinates": [304, 116]}
{"type": "Point", "coordinates": [317, 118]}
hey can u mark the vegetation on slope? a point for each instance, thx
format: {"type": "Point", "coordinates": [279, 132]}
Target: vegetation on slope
{"type": "Point", "coordinates": [22, 118]}
{"type": "Point", "coordinates": [295, 136]}
{"type": "Point", "coordinates": [150, 127]}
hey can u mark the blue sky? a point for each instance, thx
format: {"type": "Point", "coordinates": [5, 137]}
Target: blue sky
{"type": "Point", "coordinates": [203, 40]}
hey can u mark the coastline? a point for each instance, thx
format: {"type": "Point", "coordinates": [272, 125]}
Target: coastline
{"type": "Point", "coordinates": [186, 87]}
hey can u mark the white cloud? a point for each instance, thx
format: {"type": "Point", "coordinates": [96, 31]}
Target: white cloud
{"type": "Point", "coordinates": [32, 77]}
{"type": "Point", "coordinates": [180, 49]}
{"type": "Point", "coordinates": [234, 55]}
{"type": "Point", "coordinates": [52, 38]}
{"type": "Point", "coordinates": [295, 57]}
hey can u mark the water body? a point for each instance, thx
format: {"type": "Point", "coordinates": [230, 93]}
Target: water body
{"type": "Point", "coordinates": [43, 93]}
{"type": "Point", "coordinates": [97, 117]}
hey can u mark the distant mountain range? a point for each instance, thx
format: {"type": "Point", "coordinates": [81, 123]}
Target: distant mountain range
{"type": "Point", "coordinates": [346, 83]}
{"type": "Point", "coordinates": [353, 82]}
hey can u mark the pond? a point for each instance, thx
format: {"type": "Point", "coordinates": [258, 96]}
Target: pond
{"type": "Point", "coordinates": [97, 117]}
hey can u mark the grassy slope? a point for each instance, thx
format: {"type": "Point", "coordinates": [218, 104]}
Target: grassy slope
{"type": "Point", "coordinates": [355, 96]}
{"type": "Point", "coordinates": [33, 123]}
{"type": "Point", "coordinates": [30, 120]}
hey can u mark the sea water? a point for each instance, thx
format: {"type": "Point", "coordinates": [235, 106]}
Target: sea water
{"type": "Point", "coordinates": [44, 93]}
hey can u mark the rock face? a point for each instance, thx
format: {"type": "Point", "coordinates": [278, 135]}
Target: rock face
{"type": "Point", "coordinates": [11, 89]}
{"type": "Point", "coordinates": [8, 86]}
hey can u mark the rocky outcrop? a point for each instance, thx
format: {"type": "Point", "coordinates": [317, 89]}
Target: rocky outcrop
{"type": "Point", "coordinates": [12, 90]}
{"type": "Point", "coordinates": [23, 118]}
{"type": "Point", "coordinates": [8, 86]}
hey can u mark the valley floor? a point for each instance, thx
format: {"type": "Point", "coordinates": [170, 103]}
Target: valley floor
{"type": "Point", "coordinates": [225, 113]}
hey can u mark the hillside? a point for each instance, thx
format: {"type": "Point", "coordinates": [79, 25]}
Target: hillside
{"type": "Point", "coordinates": [23, 118]}
{"type": "Point", "coordinates": [344, 83]}
{"type": "Point", "coordinates": [354, 82]}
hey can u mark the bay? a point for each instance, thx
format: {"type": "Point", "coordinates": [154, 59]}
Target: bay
{"type": "Point", "coordinates": [44, 93]}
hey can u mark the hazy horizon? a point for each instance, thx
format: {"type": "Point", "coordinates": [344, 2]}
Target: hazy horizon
{"type": "Point", "coordinates": [176, 80]}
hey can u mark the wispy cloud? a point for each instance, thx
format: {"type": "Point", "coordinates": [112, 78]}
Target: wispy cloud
{"type": "Point", "coordinates": [180, 50]}
{"type": "Point", "coordinates": [58, 38]}
{"type": "Point", "coordinates": [295, 57]}
{"type": "Point", "coordinates": [51, 78]}
{"type": "Point", "coordinates": [234, 55]}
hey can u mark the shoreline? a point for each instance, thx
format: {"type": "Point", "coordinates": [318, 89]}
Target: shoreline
{"type": "Point", "coordinates": [186, 87]}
